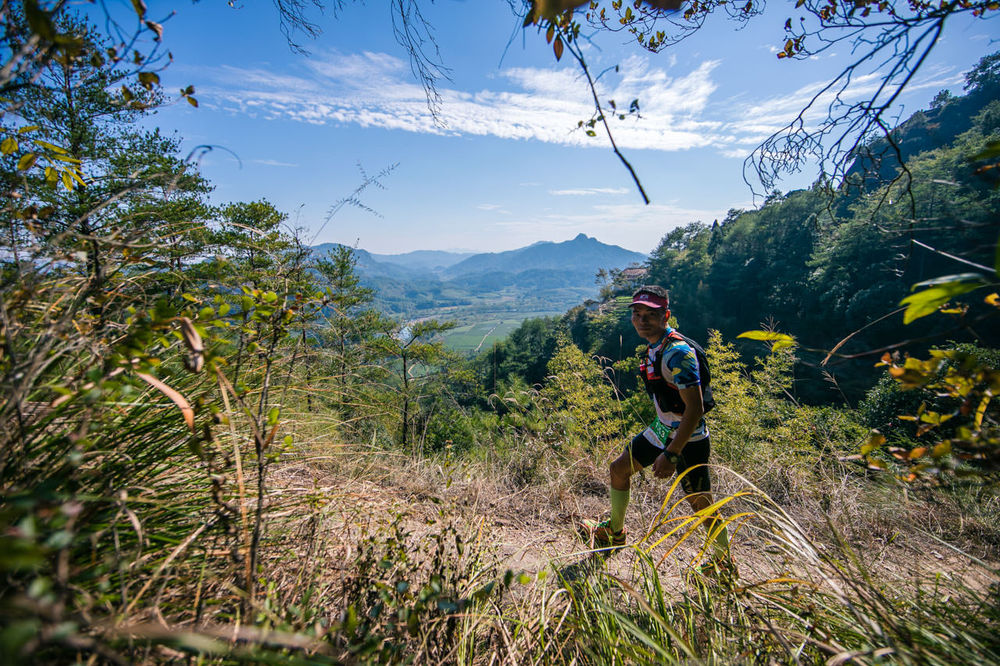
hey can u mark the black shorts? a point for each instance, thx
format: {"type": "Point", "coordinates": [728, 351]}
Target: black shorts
{"type": "Point", "coordinates": [697, 480]}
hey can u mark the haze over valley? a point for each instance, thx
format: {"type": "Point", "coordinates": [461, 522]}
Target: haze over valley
{"type": "Point", "coordinates": [489, 294]}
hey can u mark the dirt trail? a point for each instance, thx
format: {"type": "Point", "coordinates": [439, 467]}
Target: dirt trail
{"type": "Point", "coordinates": [533, 529]}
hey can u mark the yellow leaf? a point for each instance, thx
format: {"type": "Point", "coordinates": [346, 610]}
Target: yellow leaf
{"type": "Point", "coordinates": [777, 340]}
{"type": "Point", "coordinates": [51, 146]}
{"type": "Point", "coordinates": [27, 161]}
{"type": "Point", "coordinates": [981, 410]}
{"type": "Point", "coordinates": [918, 452]}
{"type": "Point", "coordinates": [176, 397]}
{"type": "Point", "coordinates": [67, 180]}
{"type": "Point", "coordinates": [148, 79]}
{"type": "Point", "coordinates": [875, 440]}
{"type": "Point", "coordinates": [993, 299]}
{"type": "Point", "coordinates": [9, 145]}
{"type": "Point", "coordinates": [942, 449]}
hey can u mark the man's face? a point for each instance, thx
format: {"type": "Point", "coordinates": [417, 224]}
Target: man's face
{"type": "Point", "coordinates": [650, 323]}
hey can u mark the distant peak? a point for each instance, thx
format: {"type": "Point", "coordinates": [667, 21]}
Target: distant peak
{"type": "Point", "coordinates": [581, 237]}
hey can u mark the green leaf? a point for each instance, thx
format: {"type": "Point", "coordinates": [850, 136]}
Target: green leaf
{"type": "Point", "coordinates": [39, 20]}
{"type": "Point", "coordinates": [51, 146]}
{"type": "Point", "coordinates": [148, 79]}
{"type": "Point", "coordinates": [778, 340]}
{"type": "Point", "coordinates": [272, 416]}
{"type": "Point", "coordinates": [991, 151]}
{"type": "Point", "coordinates": [949, 279]}
{"type": "Point", "coordinates": [27, 161]}
{"type": "Point", "coordinates": [938, 292]}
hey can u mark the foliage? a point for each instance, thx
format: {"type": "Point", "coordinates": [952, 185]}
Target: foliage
{"type": "Point", "coordinates": [578, 386]}
{"type": "Point", "coordinates": [757, 419]}
{"type": "Point", "coordinates": [830, 610]}
{"type": "Point", "coordinates": [963, 420]}
{"type": "Point", "coordinates": [794, 263]}
{"type": "Point", "coordinates": [524, 354]}
{"type": "Point", "coordinates": [400, 609]}
{"type": "Point", "coordinates": [414, 361]}
{"type": "Point", "coordinates": [162, 364]}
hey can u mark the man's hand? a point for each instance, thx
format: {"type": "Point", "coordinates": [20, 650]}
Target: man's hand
{"type": "Point", "coordinates": [663, 468]}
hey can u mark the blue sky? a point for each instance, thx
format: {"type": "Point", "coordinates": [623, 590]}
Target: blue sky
{"type": "Point", "coordinates": [506, 168]}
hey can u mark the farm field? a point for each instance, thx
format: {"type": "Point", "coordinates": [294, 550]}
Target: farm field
{"type": "Point", "coordinates": [478, 335]}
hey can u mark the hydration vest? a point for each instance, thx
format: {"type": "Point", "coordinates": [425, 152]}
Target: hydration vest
{"type": "Point", "coordinates": [667, 397]}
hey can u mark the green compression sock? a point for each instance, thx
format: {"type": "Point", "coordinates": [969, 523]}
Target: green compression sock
{"type": "Point", "coordinates": [619, 502]}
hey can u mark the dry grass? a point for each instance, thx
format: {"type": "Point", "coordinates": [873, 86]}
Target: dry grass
{"type": "Point", "coordinates": [857, 539]}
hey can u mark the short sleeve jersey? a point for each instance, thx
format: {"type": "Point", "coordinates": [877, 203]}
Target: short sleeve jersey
{"type": "Point", "coordinates": [679, 367]}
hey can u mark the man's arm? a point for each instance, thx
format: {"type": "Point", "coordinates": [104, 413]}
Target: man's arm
{"type": "Point", "coordinates": [694, 409]}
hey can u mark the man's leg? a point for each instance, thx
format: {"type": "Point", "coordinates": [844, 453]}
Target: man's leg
{"type": "Point", "coordinates": [622, 469]}
{"type": "Point", "coordinates": [716, 527]}
{"type": "Point", "coordinates": [638, 453]}
{"type": "Point", "coordinates": [697, 483]}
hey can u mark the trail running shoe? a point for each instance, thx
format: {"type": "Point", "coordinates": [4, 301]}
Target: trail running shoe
{"type": "Point", "coordinates": [602, 535]}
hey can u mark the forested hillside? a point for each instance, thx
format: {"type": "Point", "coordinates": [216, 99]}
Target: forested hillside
{"type": "Point", "coordinates": [216, 448]}
{"type": "Point", "coordinates": [822, 265]}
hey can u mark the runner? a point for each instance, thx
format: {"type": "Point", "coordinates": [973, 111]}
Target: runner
{"type": "Point", "coordinates": [678, 437]}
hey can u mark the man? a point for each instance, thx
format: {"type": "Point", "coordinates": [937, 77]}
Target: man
{"type": "Point", "coordinates": [678, 438]}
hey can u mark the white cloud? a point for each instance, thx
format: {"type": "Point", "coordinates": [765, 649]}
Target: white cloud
{"type": "Point", "coordinates": [376, 90]}
{"type": "Point", "coordinates": [274, 163]}
{"type": "Point", "coordinates": [754, 121]}
{"type": "Point", "coordinates": [588, 191]}
{"type": "Point", "coordinates": [539, 104]}
{"type": "Point", "coordinates": [495, 208]}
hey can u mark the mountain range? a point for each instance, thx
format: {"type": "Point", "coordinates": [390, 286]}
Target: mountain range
{"type": "Point", "coordinates": [542, 277]}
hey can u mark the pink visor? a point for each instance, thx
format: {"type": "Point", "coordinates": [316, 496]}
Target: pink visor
{"type": "Point", "coordinates": [649, 300]}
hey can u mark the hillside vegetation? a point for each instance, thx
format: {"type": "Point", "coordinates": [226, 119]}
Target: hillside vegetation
{"type": "Point", "coordinates": [826, 267]}
{"type": "Point", "coordinates": [216, 449]}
